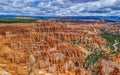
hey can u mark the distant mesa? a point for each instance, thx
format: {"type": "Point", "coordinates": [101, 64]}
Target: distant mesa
{"type": "Point", "coordinates": [23, 17]}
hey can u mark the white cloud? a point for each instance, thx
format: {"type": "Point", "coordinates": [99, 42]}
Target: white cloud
{"type": "Point", "coordinates": [60, 1]}
{"type": "Point", "coordinates": [60, 7]}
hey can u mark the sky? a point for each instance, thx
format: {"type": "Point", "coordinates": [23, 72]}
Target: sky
{"type": "Point", "coordinates": [60, 7]}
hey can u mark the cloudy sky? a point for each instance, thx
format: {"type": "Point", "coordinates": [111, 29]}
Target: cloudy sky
{"type": "Point", "coordinates": [60, 7]}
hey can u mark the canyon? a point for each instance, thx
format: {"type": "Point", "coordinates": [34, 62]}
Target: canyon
{"type": "Point", "coordinates": [54, 47]}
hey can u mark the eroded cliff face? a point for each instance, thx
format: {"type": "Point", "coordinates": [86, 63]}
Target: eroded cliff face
{"type": "Point", "coordinates": [105, 67]}
{"type": "Point", "coordinates": [58, 48]}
